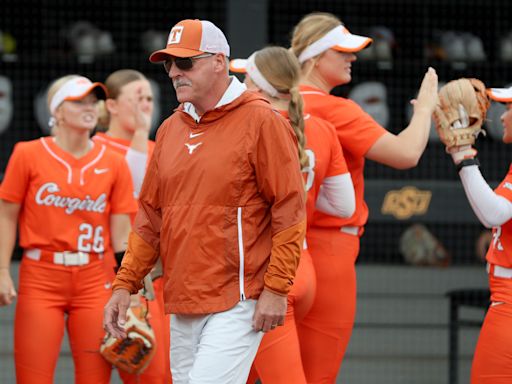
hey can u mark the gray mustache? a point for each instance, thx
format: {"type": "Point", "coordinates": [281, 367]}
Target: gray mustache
{"type": "Point", "coordinates": [180, 82]}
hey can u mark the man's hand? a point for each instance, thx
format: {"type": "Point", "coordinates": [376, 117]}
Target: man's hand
{"type": "Point", "coordinates": [114, 313]}
{"type": "Point", "coordinates": [7, 291]}
{"type": "Point", "coordinates": [270, 311]}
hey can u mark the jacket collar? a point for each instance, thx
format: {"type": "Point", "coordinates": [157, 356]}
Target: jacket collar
{"type": "Point", "coordinates": [234, 90]}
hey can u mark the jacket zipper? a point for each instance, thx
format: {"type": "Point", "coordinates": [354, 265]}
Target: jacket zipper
{"type": "Point", "coordinates": [241, 254]}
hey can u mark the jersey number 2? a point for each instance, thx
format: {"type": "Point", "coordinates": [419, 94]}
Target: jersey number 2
{"type": "Point", "coordinates": [497, 241]}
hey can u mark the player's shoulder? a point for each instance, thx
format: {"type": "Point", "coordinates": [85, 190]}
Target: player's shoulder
{"type": "Point", "coordinates": [30, 147]}
{"type": "Point", "coordinates": [100, 137]}
{"type": "Point", "coordinates": [330, 106]}
{"type": "Point", "coordinates": [318, 126]}
{"type": "Point", "coordinates": [318, 123]}
{"type": "Point", "coordinates": [342, 102]}
{"type": "Point", "coordinates": [326, 100]}
{"type": "Point", "coordinates": [110, 154]}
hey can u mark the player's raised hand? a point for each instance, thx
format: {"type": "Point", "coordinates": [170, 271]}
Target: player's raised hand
{"type": "Point", "coordinates": [427, 95]}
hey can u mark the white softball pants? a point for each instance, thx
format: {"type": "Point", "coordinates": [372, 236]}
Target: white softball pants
{"type": "Point", "coordinates": [218, 348]}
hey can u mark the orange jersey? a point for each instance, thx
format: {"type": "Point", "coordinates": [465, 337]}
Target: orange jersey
{"type": "Point", "coordinates": [500, 250]}
{"type": "Point", "coordinates": [120, 145]}
{"type": "Point", "coordinates": [357, 132]}
{"type": "Point", "coordinates": [66, 202]}
{"type": "Point", "coordinates": [325, 158]}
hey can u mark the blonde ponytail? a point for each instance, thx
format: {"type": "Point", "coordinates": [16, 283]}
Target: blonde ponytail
{"type": "Point", "coordinates": [296, 116]}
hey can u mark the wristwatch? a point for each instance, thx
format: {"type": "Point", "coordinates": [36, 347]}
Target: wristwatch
{"type": "Point", "coordinates": [467, 162]}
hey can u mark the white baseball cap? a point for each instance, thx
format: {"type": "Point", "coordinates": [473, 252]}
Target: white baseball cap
{"type": "Point", "coordinates": [76, 89]}
{"type": "Point", "coordinates": [502, 95]}
{"type": "Point", "coordinates": [339, 39]}
{"type": "Point", "coordinates": [191, 38]}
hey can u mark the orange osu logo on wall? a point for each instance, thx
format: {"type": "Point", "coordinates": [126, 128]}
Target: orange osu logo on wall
{"type": "Point", "coordinates": [406, 202]}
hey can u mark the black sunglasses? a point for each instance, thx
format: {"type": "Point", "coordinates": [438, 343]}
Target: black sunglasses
{"type": "Point", "coordinates": [184, 63]}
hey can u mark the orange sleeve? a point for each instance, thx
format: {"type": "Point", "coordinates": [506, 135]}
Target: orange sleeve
{"type": "Point", "coordinates": [284, 258]}
{"type": "Point", "coordinates": [138, 261]}
{"type": "Point", "coordinates": [123, 198]}
{"type": "Point", "coordinates": [357, 130]}
{"type": "Point", "coordinates": [337, 165]}
{"type": "Point", "coordinates": [17, 176]}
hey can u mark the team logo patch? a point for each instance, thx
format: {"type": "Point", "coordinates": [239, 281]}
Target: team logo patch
{"type": "Point", "coordinates": [99, 171]}
{"type": "Point", "coordinates": [192, 147]}
{"type": "Point", "coordinates": [175, 35]}
{"type": "Point", "coordinates": [406, 202]}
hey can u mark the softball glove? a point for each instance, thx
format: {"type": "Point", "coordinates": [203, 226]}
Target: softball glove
{"type": "Point", "coordinates": [461, 111]}
{"type": "Point", "coordinates": [133, 353]}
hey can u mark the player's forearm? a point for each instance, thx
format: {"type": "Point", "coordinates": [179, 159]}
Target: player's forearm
{"type": "Point", "coordinates": [403, 151]}
{"type": "Point", "coordinates": [120, 228]}
{"type": "Point", "coordinates": [8, 221]}
{"type": "Point", "coordinates": [414, 138]}
{"type": "Point", "coordinates": [491, 209]}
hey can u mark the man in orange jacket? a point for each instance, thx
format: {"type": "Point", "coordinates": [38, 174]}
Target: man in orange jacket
{"type": "Point", "coordinates": [223, 206]}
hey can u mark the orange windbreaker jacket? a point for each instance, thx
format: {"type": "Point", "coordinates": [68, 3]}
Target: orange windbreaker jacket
{"type": "Point", "coordinates": [223, 205]}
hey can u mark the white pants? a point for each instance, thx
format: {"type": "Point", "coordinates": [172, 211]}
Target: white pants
{"type": "Point", "coordinates": [218, 348]}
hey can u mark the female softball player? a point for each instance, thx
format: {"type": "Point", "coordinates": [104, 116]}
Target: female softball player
{"type": "Point", "coordinates": [70, 197]}
{"type": "Point", "coordinates": [127, 115]}
{"type": "Point", "coordinates": [274, 72]}
{"type": "Point", "coordinates": [325, 49]}
{"type": "Point", "coordinates": [492, 362]}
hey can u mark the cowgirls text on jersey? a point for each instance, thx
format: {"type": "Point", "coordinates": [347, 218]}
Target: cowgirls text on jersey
{"type": "Point", "coordinates": [47, 195]}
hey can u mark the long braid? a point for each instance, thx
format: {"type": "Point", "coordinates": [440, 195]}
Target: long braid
{"type": "Point", "coordinates": [296, 116]}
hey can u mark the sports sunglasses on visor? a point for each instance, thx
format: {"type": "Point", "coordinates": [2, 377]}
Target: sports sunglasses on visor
{"type": "Point", "coordinates": [184, 63]}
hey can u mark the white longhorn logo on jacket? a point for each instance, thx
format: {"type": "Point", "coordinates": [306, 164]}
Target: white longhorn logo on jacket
{"type": "Point", "coordinates": [47, 195]}
{"type": "Point", "coordinates": [192, 147]}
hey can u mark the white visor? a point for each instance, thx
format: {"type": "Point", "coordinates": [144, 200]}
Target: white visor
{"type": "Point", "coordinates": [339, 39]}
{"type": "Point", "coordinates": [249, 67]}
{"type": "Point", "coordinates": [503, 95]}
{"type": "Point", "coordinates": [76, 89]}
{"type": "Point", "coordinates": [238, 65]}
